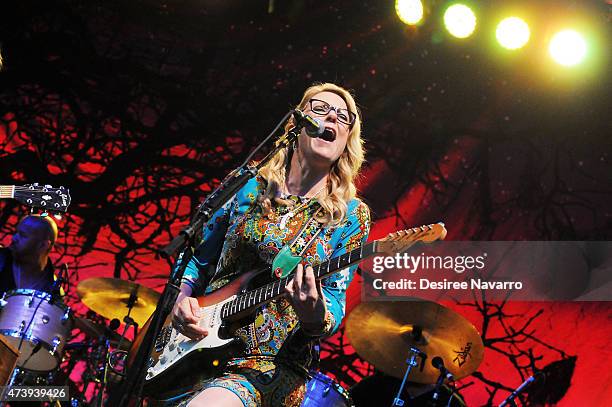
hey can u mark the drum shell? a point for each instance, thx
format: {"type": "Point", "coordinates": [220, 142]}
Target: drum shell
{"type": "Point", "coordinates": [322, 391]}
{"type": "Point", "coordinates": [49, 326]}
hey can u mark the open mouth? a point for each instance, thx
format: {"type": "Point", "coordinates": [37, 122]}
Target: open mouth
{"type": "Point", "coordinates": [328, 135]}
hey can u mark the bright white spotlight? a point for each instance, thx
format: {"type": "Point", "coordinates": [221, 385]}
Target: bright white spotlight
{"type": "Point", "coordinates": [409, 11]}
{"type": "Point", "coordinates": [460, 20]}
{"type": "Point", "coordinates": [512, 33]}
{"type": "Point", "coordinates": [568, 48]}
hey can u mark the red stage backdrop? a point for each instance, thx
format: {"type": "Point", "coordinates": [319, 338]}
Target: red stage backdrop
{"type": "Point", "coordinates": [140, 109]}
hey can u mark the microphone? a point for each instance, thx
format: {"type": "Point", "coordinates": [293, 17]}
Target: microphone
{"type": "Point", "coordinates": [62, 277]}
{"type": "Point", "coordinates": [521, 388]}
{"type": "Point", "coordinates": [438, 363]}
{"type": "Point", "coordinates": [314, 127]}
{"type": "Point", "coordinates": [114, 324]}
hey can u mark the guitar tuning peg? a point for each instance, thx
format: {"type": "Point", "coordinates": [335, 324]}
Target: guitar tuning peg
{"type": "Point", "coordinates": [35, 184]}
{"type": "Point", "coordinates": [48, 186]}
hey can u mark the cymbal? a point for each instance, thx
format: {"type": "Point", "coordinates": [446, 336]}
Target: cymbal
{"type": "Point", "coordinates": [96, 330]}
{"type": "Point", "coordinates": [109, 298]}
{"type": "Point", "coordinates": [383, 332]}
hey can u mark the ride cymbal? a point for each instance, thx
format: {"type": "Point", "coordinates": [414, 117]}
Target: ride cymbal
{"type": "Point", "coordinates": [383, 332]}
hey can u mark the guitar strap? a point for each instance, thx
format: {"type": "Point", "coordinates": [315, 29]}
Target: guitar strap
{"type": "Point", "coordinates": [287, 259]}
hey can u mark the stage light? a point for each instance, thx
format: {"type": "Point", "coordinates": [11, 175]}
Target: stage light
{"type": "Point", "coordinates": [568, 48]}
{"type": "Point", "coordinates": [460, 20]}
{"type": "Point", "coordinates": [512, 33]}
{"type": "Point", "coordinates": [409, 11]}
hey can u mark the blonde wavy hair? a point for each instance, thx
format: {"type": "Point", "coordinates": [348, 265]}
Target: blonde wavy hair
{"type": "Point", "coordinates": [342, 174]}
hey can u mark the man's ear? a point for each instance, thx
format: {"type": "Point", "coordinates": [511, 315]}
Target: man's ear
{"type": "Point", "coordinates": [46, 245]}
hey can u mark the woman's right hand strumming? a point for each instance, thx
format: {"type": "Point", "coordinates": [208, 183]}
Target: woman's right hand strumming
{"type": "Point", "coordinates": [186, 316]}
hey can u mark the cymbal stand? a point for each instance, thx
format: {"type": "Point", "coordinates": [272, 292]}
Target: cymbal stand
{"type": "Point", "coordinates": [104, 371]}
{"type": "Point", "coordinates": [413, 354]}
{"type": "Point", "coordinates": [129, 321]}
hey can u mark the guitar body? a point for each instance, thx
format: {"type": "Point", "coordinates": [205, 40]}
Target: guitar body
{"type": "Point", "coordinates": [177, 362]}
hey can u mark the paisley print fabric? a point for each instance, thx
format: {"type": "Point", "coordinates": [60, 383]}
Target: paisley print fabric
{"type": "Point", "coordinates": [239, 238]}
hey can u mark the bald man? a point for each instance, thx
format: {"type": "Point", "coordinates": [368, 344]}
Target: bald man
{"type": "Point", "coordinates": [25, 263]}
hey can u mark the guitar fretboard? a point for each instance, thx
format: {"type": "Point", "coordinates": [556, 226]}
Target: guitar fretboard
{"type": "Point", "coordinates": [275, 289]}
{"type": "Point", "coordinates": [7, 191]}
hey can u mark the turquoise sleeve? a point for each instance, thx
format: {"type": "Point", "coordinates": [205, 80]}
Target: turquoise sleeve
{"type": "Point", "coordinates": [352, 235]}
{"type": "Point", "coordinates": [202, 265]}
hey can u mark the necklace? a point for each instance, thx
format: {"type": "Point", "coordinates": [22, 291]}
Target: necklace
{"type": "Point", "coordinates": [287, 217]}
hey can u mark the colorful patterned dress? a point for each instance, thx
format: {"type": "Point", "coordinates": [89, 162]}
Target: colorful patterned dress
{"type": "Point", "coordinates": [239, 238]}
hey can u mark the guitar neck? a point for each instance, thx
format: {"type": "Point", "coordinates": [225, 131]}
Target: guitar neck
{"type": "Point", "coordinates": [395, 242]}
{"type": "Point", "coordinates": [7, 191]}
{"type": "Point", "coordinates": [275, 289]}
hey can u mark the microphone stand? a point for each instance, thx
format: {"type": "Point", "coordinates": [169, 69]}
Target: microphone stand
{"type": "Point", "coordinates": [436, 394]}
{"type": "Point", "coordinates": [184, 241]}
{"type": "Point", "coordinates": [510, 399]}
{"type": "Point", "coordinates": [413, 353]}
{"type": "Point", "coordinates": [438, 363]}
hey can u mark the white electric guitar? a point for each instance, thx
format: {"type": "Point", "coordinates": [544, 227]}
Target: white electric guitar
{"type": "Point", "coordinates": [178, 362]}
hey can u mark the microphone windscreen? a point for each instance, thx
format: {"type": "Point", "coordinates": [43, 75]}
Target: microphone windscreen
{"type": "Point", "coordinates": [437, 362]}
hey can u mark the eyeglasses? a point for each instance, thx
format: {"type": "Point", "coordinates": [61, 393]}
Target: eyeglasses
{"type": "Point", "coordinates": [322, 108]}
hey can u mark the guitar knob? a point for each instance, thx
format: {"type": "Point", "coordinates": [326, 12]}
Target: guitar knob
{"type": "Point", "coordinates": [171, 345]}
{"type": "Point", "coordinates": [163, 359]}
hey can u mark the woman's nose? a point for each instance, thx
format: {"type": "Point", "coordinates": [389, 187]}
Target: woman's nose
{"type": "Point", "coordinates": [332, 114]}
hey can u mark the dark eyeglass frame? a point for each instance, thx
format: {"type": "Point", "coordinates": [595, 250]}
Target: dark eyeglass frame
{"type": "Point", "coordinates": [339, 111]}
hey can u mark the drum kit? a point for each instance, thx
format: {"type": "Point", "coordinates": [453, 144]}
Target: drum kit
{"type": "Point", "coordinates": [398, 338]}
{"type": "Point", "coordinates": [39, 330]}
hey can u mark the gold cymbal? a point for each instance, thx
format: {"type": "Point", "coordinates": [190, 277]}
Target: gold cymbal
{"type": "Point", "coordinates": [109, 298]}
{"type": "Point", "coordinates": [383, 332]}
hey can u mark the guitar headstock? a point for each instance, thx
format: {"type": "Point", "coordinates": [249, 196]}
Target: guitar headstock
{"type": "Point", "coordinates": [401, 240]}
{"type": "Point", "coordinates": [43, 197]}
